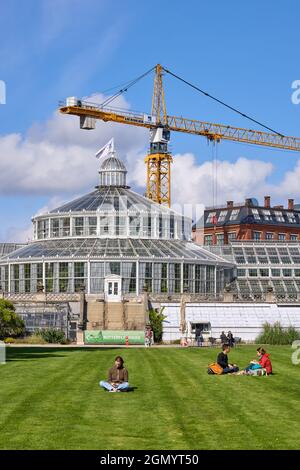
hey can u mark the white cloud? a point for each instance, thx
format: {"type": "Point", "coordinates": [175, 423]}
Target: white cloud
{"type": "Point", "coordinates": [19, 235]}
{"type": "Point", "coordinates": [57, 157]}
{"type": "Point", "coordinates": [192, 182]}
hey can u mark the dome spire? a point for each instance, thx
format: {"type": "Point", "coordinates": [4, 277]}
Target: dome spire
{"type": "Point", "coordinates": [113, 171]}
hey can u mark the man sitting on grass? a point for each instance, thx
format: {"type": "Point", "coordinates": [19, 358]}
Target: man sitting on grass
{"type": "Point", "coordinates": [117, 377]}
{"type": "Point", "coordinates": [222, 360]}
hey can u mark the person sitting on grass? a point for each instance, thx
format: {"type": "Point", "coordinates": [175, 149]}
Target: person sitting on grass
{"type": "Point", "coordinates": [262, 362]}
{"type": "Point", "coordinates": [222, 360]}
{"type": "Point", "coordinates": [117, 377]}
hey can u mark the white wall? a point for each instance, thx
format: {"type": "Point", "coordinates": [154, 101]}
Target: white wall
{"type": "Point", "coordinates": [243, 320]}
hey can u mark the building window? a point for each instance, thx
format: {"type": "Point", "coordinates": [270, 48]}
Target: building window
{"type": "Point", "coordinates": [287, 272]}
{"type": "Point", "coordinates": [66, 227]}
{"type": "Point", "coordinates": [172, 226]}
{"type": "Point", "coordinates": [269, 236]}
{"type": "Point", "coordinates": [212, 218]}
{"type": "Point", "coordinates": [222, 216]}
{"type": "Point", "coordinates": [279, 217]}
{"type": "Point", "coordinates": [255, 214]}
{"type": "Point", "coordinates": [145, 277]}
{"type": "Point", "coordinates": [220, 238]}
{"type": "Point", "coordinates": [234, 214]}
{"type": "Point", "coordinates": [54, 227]}
{"type": "Point", "coordinates": [92, 225]}
{"type": "Point", "coordinates": [267, 215]}
{"type": "Point", "coordinates": [297, 272]}
{"type": "Point", "coordinates": [120, 225]}
{"type": "Point", "coordinates": [281, 237]}
{"type": "Point", "coordinates": [275, 272]}
{"type": "Point", "coordinates": [291, 218]}
{"type": "Point", "coordinates": [294, 237]}
{"type": "Point", "coordinates": [256, 236]}
{"type": "Point", "coordinates": [106, 225]}
{"type": "Point", "coordinates": [42, 228]}
{"type": "Point", "coordinates": [49, 272]}
{"type": "Point", "coordinates": [79, 276]}
{"type": "Point", "coordinates": [199, 278]}
{"type": "Point", "coordinates": [241, 272]}
{"type": "Point", "coordinates": [135, 225]}
{"type": "Point", "coordinates": [160, 277]}
{"type": "Point", "coordinates": [78, 226]}
{"type": "Point", "coordinates": [128, 271]}
{"type": "Point", "coordinates": [231, 236]}
{"type": "Point", "coordinates": [63, 277]}
{"type": "Point", "coordinates": [264, 272]}
{"type": "Point", "coordinates": [174, 277]}
{"type": "Point", "coordinates": [208, 240]}
{"type": "Point", "coordinates": [113, 267]}
{"type": "Point", "coordinates": [188, 277]}
{"type": "Point", "coordinates": [253, 272]}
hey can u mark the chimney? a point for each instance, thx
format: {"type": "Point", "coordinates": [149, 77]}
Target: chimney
{"type": "Point", "coordinates": [229, 204]}
{"type": "Point", "coordinates": [290, 204]}
{"type": "Point", "coordinates": [267, 202]}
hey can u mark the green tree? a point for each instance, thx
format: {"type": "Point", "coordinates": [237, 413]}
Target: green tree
{"type": "Point", "coordinates": [10, 323]}
{"type": "Point", "coordinates": [156, 319]}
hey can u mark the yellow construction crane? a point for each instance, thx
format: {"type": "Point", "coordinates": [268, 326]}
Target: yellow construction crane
{"type": "Point", "coordinates": [160, 124]}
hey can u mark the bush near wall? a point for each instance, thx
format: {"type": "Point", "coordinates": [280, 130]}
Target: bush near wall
{"type": "Point", "coordinates": [11, 325]}
{"type": "Point", "coordinates": [50, 335]}
{"type": "Point", "coordinates": [276, 334]}
{"type": "Point", "coordinates": [156, 319]}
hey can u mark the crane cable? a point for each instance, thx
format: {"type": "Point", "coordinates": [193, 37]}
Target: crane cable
{"type": "Point", "coordinates": [214, 173]}
{"type": "Point", "coordinates": [123, 90]}
{"type": "Point", "coordinates": [222, 102]}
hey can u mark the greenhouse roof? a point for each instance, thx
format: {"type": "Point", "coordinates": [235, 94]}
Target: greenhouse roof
{"type": "Point", "coordinates": [109, 198]}
{"type": "Point", "coordinates": [116, 248]}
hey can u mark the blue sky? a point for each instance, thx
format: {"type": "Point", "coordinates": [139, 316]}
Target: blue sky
{"type": "Point", "coordinates": [244, 53]}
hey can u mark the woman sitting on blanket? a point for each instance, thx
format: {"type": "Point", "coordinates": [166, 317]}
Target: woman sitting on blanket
{"type": "Point", "coordinates": [262, 362]}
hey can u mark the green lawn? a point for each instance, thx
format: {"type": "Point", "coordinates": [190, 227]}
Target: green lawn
{"type": "Point", "coordinates": [50, 399]}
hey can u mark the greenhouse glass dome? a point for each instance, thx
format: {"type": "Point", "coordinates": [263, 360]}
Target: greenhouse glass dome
{"type": "Point", "coordinates": [112, 231]}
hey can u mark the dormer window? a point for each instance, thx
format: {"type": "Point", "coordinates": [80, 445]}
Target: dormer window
{"type": "Point", "coordinates": [211, 219]}
{"type": "Point", "coordinates": [255, 214]}
{"type": "Point", "coordinates": [267, 215]}
{"type": "Point", "coordinates": [234, 214]}
{"type": "Point", "coordinates": [279, 217]}
{"type": "Point", "coordinates": [291, 218]}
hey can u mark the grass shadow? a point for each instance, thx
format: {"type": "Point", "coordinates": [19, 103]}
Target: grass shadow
{"type": "Point", "coordinates": [28, 353]}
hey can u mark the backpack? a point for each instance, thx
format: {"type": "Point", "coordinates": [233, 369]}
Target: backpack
{"type": "Point", "coordinates": [215, 368]}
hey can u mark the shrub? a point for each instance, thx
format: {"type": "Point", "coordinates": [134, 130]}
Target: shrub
{"type": "Point", "coordinates": [276, 334]}
{"type": "Point", "coordinates": [31, 339]}
{"type": "Point", "coordinates": [9, 340]}
{"type": "Point", "coordinates": [10, 323]}
{"type": "Point", "coordinates": [156, 321]}
{"type": "Point", "coordinates": [175, 341]}
{"type": "Point", "coordinates": [50, 335]}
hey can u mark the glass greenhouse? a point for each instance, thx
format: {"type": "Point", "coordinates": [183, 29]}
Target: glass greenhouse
{"type": "Point", "coordinates": [112, 231]}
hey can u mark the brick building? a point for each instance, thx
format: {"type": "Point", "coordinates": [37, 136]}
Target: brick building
{"type": "Point", "coordinates": [248, 221]}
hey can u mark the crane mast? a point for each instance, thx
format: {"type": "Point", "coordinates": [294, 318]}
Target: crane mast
{"type": "Point", "coordinates": [158, 160]}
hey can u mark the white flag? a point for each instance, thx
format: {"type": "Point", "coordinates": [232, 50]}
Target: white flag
{"type": "Point", "coordinates": [106, 149]}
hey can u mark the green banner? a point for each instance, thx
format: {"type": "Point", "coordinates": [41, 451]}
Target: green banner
{"type": "Point", "coordinates": [114, 337]}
